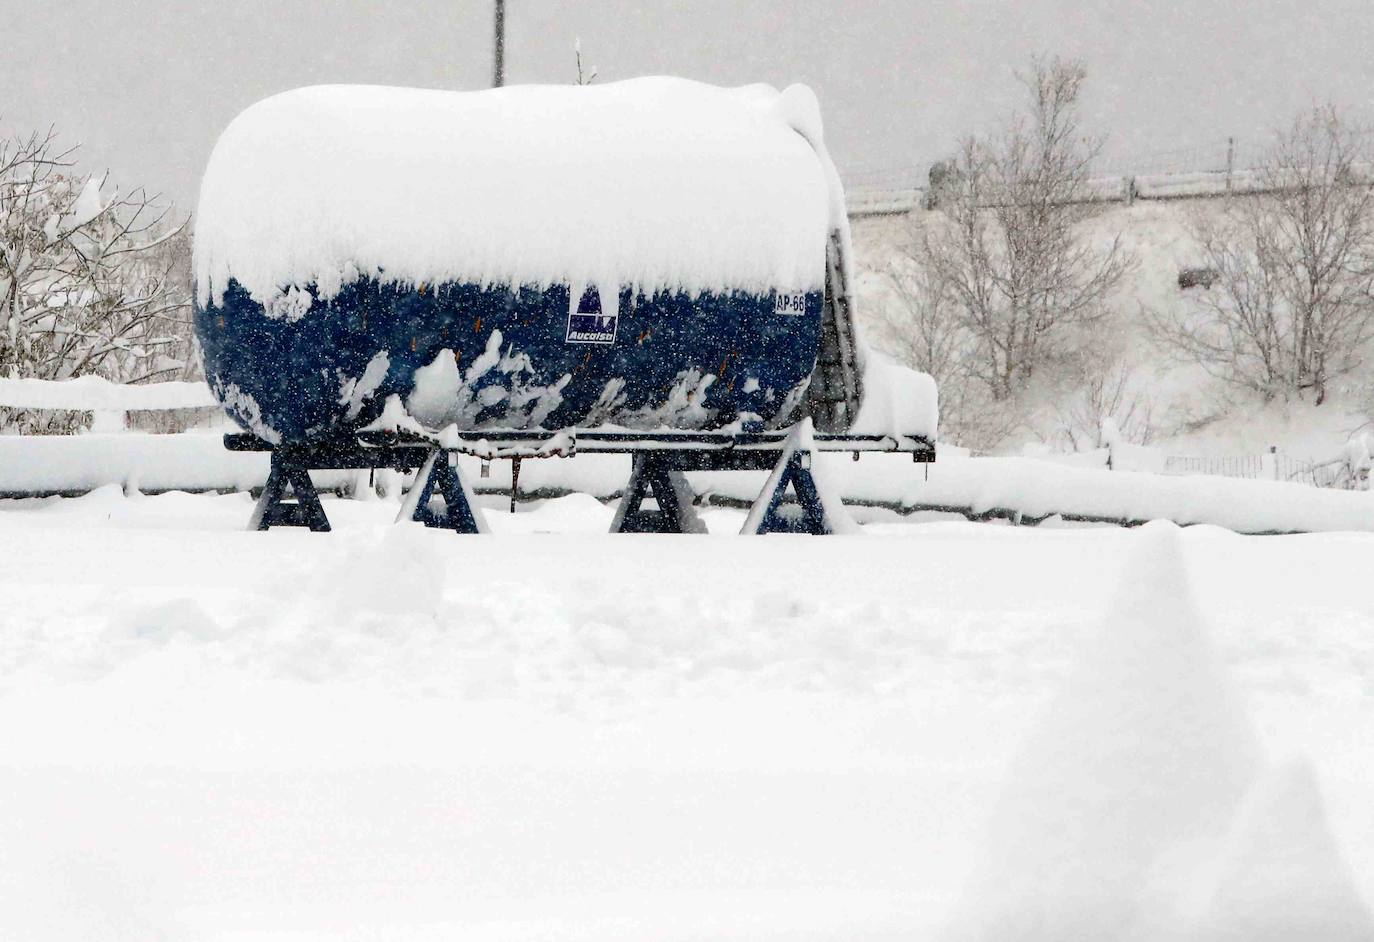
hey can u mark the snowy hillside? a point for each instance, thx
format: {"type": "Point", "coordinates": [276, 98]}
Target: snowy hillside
{"type": "Point", "coordinates": [551, 733]}
{"type": "Point", "coordinates": [1191, 413]}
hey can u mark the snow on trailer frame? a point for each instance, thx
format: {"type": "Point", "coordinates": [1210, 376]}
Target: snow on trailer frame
{"type": "Point", "coordinates": [657, 256]}
{"type": "Point", "coordinates": [660, 458]}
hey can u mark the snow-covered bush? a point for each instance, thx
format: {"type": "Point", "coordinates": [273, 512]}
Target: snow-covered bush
{"type": "Point", "coordinates": [1104, 392]}
{"type": "Point", "coordinates": [90, 282]}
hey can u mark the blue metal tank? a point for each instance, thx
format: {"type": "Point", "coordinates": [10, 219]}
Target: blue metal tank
{"type": "Point", "coordinates": [647, 254]}
{"type": "Point", "coordinates": [662, 360]}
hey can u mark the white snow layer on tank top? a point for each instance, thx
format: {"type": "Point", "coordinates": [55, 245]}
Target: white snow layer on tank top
{"type": "Point", "coordinates": [651, 183]}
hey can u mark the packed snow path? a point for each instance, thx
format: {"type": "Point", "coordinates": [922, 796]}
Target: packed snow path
{"type": "Point", "coordinates": [392, 733]}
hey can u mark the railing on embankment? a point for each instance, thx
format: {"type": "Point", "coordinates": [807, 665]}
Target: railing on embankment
{"type": "Point", "coordinates": [889, 198]}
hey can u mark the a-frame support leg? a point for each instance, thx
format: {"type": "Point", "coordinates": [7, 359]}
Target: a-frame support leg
{"type": "Point", "coordinates": [651, 476]}
{"type": "Point", "coordinates": [273, 509]}
{"type": "Point", "coordinates": [814, 512]}
{"type": "Point", "coordinates": [440, 473]}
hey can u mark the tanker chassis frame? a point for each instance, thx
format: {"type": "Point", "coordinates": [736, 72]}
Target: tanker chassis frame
{"type": "Point", "coordinates": [659, 460]}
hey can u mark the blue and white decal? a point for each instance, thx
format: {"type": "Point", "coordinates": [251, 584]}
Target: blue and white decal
{"type": "Point", "coordinates": [788, 303]}
{"type": "Point", "coordinates": [589, 323]}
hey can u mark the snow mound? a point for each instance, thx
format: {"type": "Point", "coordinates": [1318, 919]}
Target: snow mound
{"type": "Point", "coordinates": [1130, 780]}
{"type": "Point", "coordinates": [1283, 876]}
{"type": "Point", "coordinates": [383, 574]}
{"type": "Point", "coordinates": [654, 183]}
{"type": "Point", "coordinates": [897, 400]}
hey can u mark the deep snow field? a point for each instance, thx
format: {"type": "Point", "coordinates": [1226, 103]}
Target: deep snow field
{"type": "Point", "coordinates": [923, 731]}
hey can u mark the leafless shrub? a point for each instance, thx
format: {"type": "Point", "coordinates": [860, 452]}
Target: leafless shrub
{"type": "Point", "coordinates": [1104, 390]}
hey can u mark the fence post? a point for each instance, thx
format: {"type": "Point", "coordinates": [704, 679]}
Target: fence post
{"type": "Point", "coordinates": [1230, 161]}
{"type": "Point", "coordinates": [109, 420]}
{"type": "Point", "coordinates": [1108, 435]}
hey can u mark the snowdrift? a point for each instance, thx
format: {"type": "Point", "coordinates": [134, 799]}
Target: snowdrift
{"type": "Point", "coordinates": [1140, 808]}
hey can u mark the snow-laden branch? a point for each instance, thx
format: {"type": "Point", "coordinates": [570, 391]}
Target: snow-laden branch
{"type": "Point", "coordinates": [93, 280]}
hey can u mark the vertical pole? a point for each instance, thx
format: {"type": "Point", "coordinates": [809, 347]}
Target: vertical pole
{"type": "Point", "coordinates": [498, 75]}
{"type": "Point", "coordinates": [1230, 161]}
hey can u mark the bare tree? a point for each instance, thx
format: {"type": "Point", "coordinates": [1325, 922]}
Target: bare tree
{"type": "Point", "coordinates": [922, 327]}
{"type": "Point", "coordinates": [1000, 282]}
{"type": "Point", "coordinates": [1006, 241]}
{"type": "Point", "coordinates": [1291, 303]}
{"type": "Point", "coordinates": [89, 284]}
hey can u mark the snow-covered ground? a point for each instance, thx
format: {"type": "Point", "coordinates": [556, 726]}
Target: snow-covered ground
{"type": "Point", "coordinates": [919, 732]}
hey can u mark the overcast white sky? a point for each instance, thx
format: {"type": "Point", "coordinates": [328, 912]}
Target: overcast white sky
{"type": "Point", "coordinates": [146, 85]}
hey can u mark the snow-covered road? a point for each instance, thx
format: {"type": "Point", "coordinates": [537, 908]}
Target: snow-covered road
{"type": "Point", "coordinates": [393, 733]}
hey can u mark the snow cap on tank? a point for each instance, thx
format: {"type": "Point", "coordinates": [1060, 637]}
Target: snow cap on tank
{"type": "Point", "coordinates": [651, 183]}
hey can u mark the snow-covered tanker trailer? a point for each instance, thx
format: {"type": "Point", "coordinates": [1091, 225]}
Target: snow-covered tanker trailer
{"type": "Point", "coordinates": [649, 266]}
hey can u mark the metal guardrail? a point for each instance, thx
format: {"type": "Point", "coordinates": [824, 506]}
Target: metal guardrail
{"type": "Point", "coordinates": [1337, 474]}
{"type": "Point", "coordinates": [863, 199]}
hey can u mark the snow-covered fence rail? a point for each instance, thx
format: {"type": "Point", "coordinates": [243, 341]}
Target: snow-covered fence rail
{"type": "Point", "coordinates": [110, 403]}
{"type": "Point", "coordinates": [93, 393]}
{"type": "Point", "coordinates": [46, 465]}
{"type": "Point", "coordinates": [1031, 491]}
{"type": "Point", "coordinates": [1256, 499]}
{"type": "Point", "coordinates": [888, 201]}
{"type": "Point", "coordinates": [1016, 490]}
